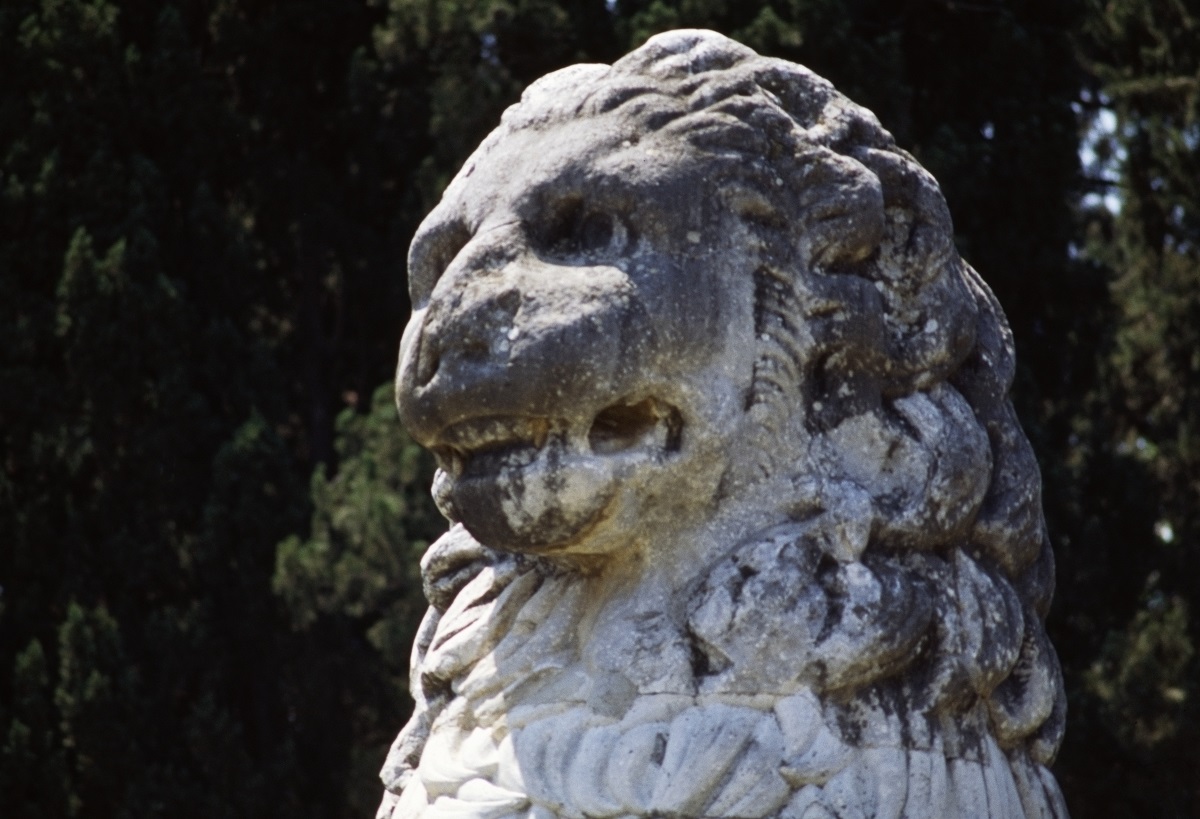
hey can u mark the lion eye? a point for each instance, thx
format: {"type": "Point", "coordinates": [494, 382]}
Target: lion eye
{"type": "Point", "coordinates": [596, 231]}
{"type": "Point", "coordinates": [575, 230]}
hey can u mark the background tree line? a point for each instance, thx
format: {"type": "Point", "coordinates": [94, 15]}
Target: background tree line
{"type": "Point", "coordinates": [209, 518]}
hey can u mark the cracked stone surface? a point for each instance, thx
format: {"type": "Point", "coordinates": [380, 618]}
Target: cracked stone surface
{"type": "Point", "coordinates": [743, 522]}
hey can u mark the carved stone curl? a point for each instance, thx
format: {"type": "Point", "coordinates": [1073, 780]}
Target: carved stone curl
{"type": "Point", "coordinates": [744, 524]}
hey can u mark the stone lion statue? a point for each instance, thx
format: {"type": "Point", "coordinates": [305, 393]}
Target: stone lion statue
{"type": "Point", "coordinates": [743, 522]}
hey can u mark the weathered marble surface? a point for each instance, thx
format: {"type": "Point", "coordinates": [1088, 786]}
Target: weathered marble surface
{"type": "Point", "coordinates": [745, 525]}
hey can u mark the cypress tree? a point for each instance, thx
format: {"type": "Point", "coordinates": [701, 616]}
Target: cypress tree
{"type": "Point", "coordinates": [1133, 575]}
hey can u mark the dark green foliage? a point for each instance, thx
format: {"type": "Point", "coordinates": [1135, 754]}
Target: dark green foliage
{"type": "Point", "coordinates": [157, 402]}
{"type": "Point", "coordinates": [34, 772]}
{"type": "Point", "coordinates": [356, 576]}
{"type": "Point", "coordinates": [370, 526]}
{"type": "Point", "coordinates": [204, 212]}
{"type": "Point", "coordinates": [1132, 561]}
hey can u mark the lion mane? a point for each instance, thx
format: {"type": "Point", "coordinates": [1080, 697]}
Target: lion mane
{"type": "Point", "coordinates": [882, 647]}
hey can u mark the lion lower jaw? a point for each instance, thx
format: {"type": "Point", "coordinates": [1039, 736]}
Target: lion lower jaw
{"type": "Point", "coordinates": [534, 729]}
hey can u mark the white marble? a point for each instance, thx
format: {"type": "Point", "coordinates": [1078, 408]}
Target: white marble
{"type": "Point", "coordinates": [743, 521]}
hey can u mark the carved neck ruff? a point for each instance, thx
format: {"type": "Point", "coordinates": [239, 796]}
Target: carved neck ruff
{"type": "Point", "coordinates": [536, 724]}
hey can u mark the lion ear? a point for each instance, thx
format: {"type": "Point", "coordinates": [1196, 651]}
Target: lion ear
{"type": "Point", "coordinates": [841, 209]}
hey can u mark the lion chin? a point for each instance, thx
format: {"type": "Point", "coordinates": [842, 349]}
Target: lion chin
{"type": "Point", "coordinates": [743, 523]}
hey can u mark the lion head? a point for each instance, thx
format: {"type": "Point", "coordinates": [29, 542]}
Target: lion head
{"type": "Point", "coordinates": [693, 328]}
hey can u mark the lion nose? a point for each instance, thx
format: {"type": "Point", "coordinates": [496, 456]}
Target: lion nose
{"type": "Point", "coordinates": [468, 339]}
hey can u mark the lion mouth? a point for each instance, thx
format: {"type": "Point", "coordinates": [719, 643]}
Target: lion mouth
{"type": "Point", "coordinates": [485, 445]}
{"type": "Point", "coordinates": [480, 447]}
{"type": "Point", "coordinates": [545, 485]}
